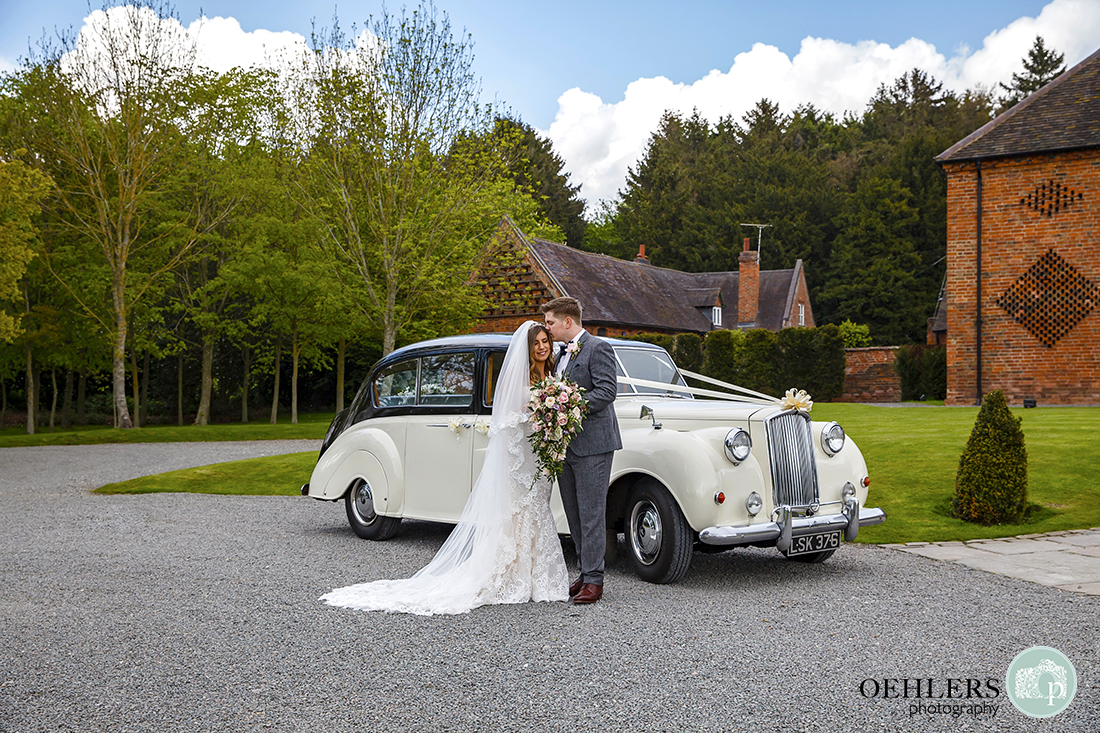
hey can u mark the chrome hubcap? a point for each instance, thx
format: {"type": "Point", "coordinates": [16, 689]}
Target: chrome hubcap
{"type": "Point", "coordinates": [645, 532]}
{"type": "Point", "coordinates": [364, 504]}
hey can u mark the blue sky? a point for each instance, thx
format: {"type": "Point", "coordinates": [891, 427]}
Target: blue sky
{"type": "Point", "coordinates": [595, 76]}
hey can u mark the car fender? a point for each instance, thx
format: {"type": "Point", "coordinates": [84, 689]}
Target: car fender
{"type": "Point", "coordinates": [362, 453]}
{"type": "Point", "coordinates": [688, 465]}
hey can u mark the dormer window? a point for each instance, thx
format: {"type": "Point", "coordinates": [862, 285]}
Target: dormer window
{"type": "Point", "coordinates": [716, 316]}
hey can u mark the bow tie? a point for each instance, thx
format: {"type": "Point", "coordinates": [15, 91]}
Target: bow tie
{"type": "Point", "coordinates": [561, 351]}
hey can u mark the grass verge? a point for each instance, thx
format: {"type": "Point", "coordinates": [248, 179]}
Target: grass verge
{"type": "Point", "coordinates": [912, 455]}
{"type": "Point", "coordinates": [310, 426]}
{"type": "Point", "coordinates": [268, 476]}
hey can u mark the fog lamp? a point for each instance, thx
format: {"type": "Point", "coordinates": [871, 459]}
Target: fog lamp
{"type": "Point", "coordinates": [753, 504]}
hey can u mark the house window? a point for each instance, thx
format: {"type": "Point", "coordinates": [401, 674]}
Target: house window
{"type": "Point", "coordinates": [801, 314]}
{"type": "Point", "coordinates": [716, 316]}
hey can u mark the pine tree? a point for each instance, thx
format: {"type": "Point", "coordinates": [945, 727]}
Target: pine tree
{"type": "Point", "coordinates": [1041, 66]}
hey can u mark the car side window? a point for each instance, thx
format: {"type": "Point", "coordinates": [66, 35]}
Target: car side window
{"type": "Point", "coordinates": [447, 379]}
{"type": "Point", "coordinates": [396, 385]}
{"type": "Point", "coordinates": [492, 375]}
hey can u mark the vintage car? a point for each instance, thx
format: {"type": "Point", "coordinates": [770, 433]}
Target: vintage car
{"type": "Point", "coordinates": [699, 468]}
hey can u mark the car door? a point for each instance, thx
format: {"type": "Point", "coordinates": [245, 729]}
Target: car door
{"type": "Point", "coordinates": [439, 438]}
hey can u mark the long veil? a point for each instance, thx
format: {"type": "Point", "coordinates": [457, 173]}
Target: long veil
{"type": "Point", "coordinates": [472, 566]}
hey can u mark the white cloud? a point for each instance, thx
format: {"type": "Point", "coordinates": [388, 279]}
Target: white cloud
{"type": "Point", "coordinates": [223, 44]}
{"type": "Point", "coordinates": [599, 141]}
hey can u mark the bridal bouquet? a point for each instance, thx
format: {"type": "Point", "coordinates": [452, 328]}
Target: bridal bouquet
{"type": "Point", "coordinates": [557, 408]}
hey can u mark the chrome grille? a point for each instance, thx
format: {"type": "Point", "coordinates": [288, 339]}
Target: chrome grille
{"type": "Point", "coordinates": [791, 453]}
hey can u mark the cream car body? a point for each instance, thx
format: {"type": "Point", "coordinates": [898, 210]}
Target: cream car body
{"type": "Point", "coordinates": [412, 443]}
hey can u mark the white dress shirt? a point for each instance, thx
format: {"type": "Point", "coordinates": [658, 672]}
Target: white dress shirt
{"type": "Point", "coordinates": [564, 362]}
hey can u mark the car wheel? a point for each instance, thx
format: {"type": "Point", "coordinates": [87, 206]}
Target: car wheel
{"type": "Point", "coordinates": [359, 502]}
{"type": "Point", "coordinates": [658, 537]}
{"type": "Point", "coordinates": [813, 557]}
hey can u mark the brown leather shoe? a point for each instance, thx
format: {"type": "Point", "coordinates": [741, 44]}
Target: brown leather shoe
{"type": "Point", "coordinates": [575, 588]}
{"type": "Point", "coordinates": [589, 593]}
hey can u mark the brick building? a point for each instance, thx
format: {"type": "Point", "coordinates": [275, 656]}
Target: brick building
{"type": "Point", "coordinates": [624, 298]}
{"type": "Point", "coordinates": [1023, 249]}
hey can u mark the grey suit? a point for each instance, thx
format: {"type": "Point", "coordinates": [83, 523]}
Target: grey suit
{"type": "Point", "coordinates": [587, 469]}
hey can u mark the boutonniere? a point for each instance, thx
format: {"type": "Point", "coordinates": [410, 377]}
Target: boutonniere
{"type": "Point", "coordinates": [574, 348]}
{"type": "Point", "coordinates": [796, 401]}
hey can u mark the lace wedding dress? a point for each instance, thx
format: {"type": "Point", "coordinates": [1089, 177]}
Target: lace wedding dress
{"type": "Point", "coordinates": [505, 548]}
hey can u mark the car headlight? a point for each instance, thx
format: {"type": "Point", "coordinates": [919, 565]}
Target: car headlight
{"type": "Point", "coordinates": [738, 445]}
{"type": "Point", "coordinates": [832, 438]}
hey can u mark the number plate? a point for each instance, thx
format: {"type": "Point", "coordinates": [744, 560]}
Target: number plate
{"type": "Point", "coordinates": [814, 543]}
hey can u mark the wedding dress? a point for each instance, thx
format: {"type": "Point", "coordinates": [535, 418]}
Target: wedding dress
{"type": "Point", "coordinates": [505, 548]}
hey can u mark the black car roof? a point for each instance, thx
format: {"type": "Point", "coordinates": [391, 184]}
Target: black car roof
{"type": "Point", "coordinates": [482, 341]}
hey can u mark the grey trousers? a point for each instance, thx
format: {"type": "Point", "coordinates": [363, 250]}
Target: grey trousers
{"type": "Point", "coordinates": [583, 486]}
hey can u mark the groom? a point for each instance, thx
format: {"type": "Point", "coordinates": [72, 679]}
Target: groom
{"type": "Point", "coordinates": [590, 362]}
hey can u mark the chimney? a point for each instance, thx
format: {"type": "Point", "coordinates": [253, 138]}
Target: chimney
{"type": "Point", "coordinates": [640, 258]}
{"type": "Point", "coordinates": [748, 286]}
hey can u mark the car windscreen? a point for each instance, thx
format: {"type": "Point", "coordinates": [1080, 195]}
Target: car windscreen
{"type": "Point", "coordinates": [651, 365]}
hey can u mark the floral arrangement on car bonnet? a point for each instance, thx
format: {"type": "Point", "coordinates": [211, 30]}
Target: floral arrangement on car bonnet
{"type": "Point", "coordinates": [557, 408]}
{"type": "Point", "coordinates": [799, 400]}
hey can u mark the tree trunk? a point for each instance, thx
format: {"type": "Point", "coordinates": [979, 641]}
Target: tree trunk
{"type": "Point", "coordinates": [53, 402]}
{"type": "Point", "coordinates": [294, 351]}
{"type": "Point", "coordinates": [137, 387]}
{"type": "Point", "coordinates": [31, 400]}
{"type": "Point", "coordinates": [389, 325]}
{"type": "Point", "coordinates": [3, 402]}
{"type": "Point", "coordinates": [118, 361]}
{"type": "Point", "coordinates": [244, 387]}
{"type": "Point", "coordinates": [67, 407]}
{"type": "Point", "coordinates": [81, 402]}
{"type": "Point", "coordinates": [179, 391]}
{"type": "Point", "coordinates": [275, 397]}
{"type": "Point", "coordinates": [340, 352]}
{"type": "Point", "coordinates": [203, 417]}
{"type": "Point", "coordinates": [145, 391]}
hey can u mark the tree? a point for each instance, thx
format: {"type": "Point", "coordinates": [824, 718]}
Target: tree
{"type": "Point", "coordinates": [1041, 66]}
{"type": "Point", "coordinates": [21, 188]}
{"type": "Point", "coordinates": [538, 169]}
{"type": "Point", "coordinates": [991, 484]}
{"type": "Point", "coordinates": [382, 167]}
{"type": "Point", "coordinates": [874, 262]}
{"type": "Point", "coordinates": [108, 106]}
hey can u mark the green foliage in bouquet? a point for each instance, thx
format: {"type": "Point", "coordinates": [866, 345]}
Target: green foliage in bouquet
{"type": "Point", "coordinates": [991, 484]}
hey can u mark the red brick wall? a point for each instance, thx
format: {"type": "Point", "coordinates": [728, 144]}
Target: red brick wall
{"type": "Point", "coordinates": [1014, 237]}
{"type": "Point", "coordinates": [869, 375]}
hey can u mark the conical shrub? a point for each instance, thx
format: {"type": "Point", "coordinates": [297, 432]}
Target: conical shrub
{"type": "Point", "coordinates": [991, 485]}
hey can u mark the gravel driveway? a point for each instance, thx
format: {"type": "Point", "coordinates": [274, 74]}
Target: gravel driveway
{"type": "Point", "coordinates": [182, 612]}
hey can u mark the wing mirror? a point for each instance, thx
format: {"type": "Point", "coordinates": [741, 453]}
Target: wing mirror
{"type": "Point", "coordinates": [647, 411]}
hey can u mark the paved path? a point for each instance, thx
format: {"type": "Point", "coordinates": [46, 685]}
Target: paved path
{"type": "Point", "coordinates": [1066, 560]}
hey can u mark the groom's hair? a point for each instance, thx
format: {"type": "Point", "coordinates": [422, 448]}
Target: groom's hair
{"type": "Point", "coordinates": [565, 307]}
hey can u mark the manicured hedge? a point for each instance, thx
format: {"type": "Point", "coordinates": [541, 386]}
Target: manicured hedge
{"type": "Point", "coordinates": [801, 358]}
{"type": "Point", "coordinates": [922, 371]}
{"type": "Point", "coordinates": [991, 484]}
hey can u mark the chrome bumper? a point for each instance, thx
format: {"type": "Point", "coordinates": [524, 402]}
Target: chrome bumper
{"type": "Point", "coordinates": [791, 526]}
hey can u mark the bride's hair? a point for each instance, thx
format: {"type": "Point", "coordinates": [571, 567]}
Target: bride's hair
{"type": "Point", "coordinates": [532, 334]}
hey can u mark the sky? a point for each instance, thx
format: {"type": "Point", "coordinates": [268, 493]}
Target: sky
{"type": "Point", "coordinates": [595, 76]}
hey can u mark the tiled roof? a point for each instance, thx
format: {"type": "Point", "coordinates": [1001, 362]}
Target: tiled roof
{"type": "Point", "coordinates": [1063, 115]}
{"type": "Point", "coordinates": [614, 291]}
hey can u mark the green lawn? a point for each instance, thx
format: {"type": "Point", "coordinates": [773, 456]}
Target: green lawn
{"type": "Point", "coordinates": [912, 454]}
{"type": "Point", "coordinates": [310, 426]}
{"type": "Point", "coordinates": [271, 475]}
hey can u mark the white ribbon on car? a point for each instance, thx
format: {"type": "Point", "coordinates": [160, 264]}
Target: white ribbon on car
{"type": "Point", "coordinates": [760, 399]}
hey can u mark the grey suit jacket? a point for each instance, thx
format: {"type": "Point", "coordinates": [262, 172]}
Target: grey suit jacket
{"type": "Point", "coordinates": [593, 367]}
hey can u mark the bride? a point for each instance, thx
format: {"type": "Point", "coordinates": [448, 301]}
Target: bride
{"type": "Point", "coordinates": [505, 548]}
